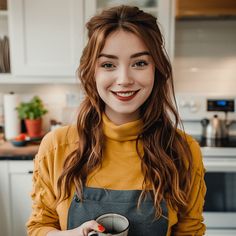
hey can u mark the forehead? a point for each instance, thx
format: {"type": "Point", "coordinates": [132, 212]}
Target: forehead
{"type": "Point", "coordinates": [123, 42]}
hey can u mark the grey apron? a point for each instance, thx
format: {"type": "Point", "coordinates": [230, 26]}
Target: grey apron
{"type": "Point", "coordinates": [100, 201]}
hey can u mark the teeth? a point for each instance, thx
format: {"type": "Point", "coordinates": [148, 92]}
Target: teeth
{"type": "Point", "coordinates": [125, 94]}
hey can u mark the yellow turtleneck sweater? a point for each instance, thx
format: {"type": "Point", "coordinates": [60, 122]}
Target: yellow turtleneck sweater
{"type": "Point", "coordinates": [121, 164]}
{"type": "Point", "coordinates": [120, 170]}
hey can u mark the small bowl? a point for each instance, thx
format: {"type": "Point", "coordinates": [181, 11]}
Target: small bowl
{"type": "Point", "coordinates": [18, 143]}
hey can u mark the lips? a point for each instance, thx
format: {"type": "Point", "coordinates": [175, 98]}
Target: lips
{"type": "Point", "coordinates": [125, 95]}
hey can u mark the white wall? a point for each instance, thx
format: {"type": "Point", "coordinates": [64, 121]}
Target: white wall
{"type": "Point", "coordinates": [62, 101]}
{"type": "Point", "coordinates": [205, 56]}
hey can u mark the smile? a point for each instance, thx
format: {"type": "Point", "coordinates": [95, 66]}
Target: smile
{"type": "Point", "coordinates": [125, 95]}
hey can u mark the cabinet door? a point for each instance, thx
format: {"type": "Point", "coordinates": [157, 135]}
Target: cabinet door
{"type": "Point", "coordinates": [46, 37]}
{"type": "Point", "coordinates": [164, 10]}
{"type": "Point", "coordinates": [4, 200]}
{"type": "Point", "coordinates": [166, 17]}
{"type": "Point", "coordinates": [20, 177]}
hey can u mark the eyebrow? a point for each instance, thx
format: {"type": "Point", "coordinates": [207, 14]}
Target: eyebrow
{"type": "Point", "coordinates": [132, 56]}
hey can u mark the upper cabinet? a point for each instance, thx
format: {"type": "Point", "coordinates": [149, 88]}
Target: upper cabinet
{"type": "Point", "coordinates": [205, 9]}
{"type": "Point", "coordinates": [46, 37]}
{"type": "Point", "coordinates": [164, 10]}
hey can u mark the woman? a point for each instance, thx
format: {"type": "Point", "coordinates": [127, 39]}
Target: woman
{"type": "Point", "coordinates": [126, 154]}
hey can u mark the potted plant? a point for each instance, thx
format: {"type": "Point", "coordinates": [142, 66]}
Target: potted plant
{"type": "Point", "coordinates": [31, 112]}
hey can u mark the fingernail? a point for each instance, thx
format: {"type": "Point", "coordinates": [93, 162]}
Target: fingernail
{"type": "Point", "coordinates": [101, 228]}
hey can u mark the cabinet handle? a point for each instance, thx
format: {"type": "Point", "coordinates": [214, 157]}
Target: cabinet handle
{"type": "Point", "coordinates": [30, 172]}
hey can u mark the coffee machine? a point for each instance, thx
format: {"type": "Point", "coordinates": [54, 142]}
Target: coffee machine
{"type": "Point", "coordinates": [215, 131]}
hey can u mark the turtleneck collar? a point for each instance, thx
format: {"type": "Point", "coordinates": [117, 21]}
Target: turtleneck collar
{"type": "Point", "coordinates": [124, 132]}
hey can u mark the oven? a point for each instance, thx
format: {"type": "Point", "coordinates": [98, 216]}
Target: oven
{"type": "Point", "coordinates": [220, 201]}
{"type": "Point", "coordinates": [219, 157]}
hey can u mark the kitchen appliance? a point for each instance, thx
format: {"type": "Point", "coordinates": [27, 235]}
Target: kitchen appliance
{"type": "Point", "coordinates": [220, 201]}
{"type": "Point", "coordinates": [220, 177]}
{"type": "Point", "coordinates": [217, 128]}
{"type": "Point", "coordinates": [219, 157]}
{"type": "Point", "coordinates": [229, 142]}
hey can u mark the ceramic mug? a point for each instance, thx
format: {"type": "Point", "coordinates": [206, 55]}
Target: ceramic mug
{"type": "Point", "coordinates": [114, 224]}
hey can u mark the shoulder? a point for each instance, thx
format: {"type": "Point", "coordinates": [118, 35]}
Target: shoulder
{"type": "Point", "coordinates": [53, 150]}
{"type": "Point", "coordinates": [60, 137]}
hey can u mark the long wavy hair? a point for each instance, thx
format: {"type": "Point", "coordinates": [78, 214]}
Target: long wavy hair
{"type": "Point", "coordinates": [166, 150]}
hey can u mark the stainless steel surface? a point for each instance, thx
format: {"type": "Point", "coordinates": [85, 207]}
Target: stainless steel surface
{"type": "Point", "coordinates": [215, 128]}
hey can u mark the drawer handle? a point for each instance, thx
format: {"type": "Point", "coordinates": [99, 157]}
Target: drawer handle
{"type": "Point", "coordinates": [30, 172]}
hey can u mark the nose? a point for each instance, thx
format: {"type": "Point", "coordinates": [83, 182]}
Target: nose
{"type": "Point", "coordinates": [124, 77]}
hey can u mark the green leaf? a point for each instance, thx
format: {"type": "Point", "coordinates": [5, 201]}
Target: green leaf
{"type": "Point", "coordinates": [31, 110]}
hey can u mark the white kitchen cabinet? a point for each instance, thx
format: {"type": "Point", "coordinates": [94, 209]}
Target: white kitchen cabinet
{"type": "Point", "coordinates": [4, 200]}
{"type": "Point", "coordinates": [46, 37]}
{"type": "Point", "coordinates": [15, 201]}
{"type": "Point", "coordinates": [20, 179]}
{"type": "Point", "coordinates": [164, 10]}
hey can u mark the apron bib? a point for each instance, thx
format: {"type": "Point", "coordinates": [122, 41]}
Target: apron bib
{"type": "Point", "coordinates": [98, 201]}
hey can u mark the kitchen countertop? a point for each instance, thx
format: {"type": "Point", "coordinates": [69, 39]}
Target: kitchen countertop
{"type": "Point", "coordinates": [217, 148]}
{"type": "Point", "coordinates": [10, 152]}
{"type": "Point", "coordinates": [218, 151]}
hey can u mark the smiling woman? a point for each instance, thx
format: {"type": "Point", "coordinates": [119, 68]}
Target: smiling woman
{"type": "Point", "coordinates": [124, 76]}
{"type": "Point", "coordinates": [126, 155]}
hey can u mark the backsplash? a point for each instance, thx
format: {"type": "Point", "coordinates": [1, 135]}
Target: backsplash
{"type": "Point", "coordinates": [62, 101]}
{"type": "Point", "coordinates": [205, 56]}
{"type": "Point", "coordinates": [193, 108]}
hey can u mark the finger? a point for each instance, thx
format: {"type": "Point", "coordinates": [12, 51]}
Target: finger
{"type": "Point", "coordinates": [92, 225]}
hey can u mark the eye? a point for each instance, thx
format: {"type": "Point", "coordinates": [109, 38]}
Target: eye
{"type": "Point", "coordinates": [108, 66]}
{"type": "Point", "coordinates": [140, 64]}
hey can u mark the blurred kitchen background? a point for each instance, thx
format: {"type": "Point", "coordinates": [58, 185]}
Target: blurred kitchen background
{"type": "Point", "coordinates": [40, 47]}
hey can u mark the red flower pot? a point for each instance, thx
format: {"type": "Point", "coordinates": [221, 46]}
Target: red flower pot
{"type": "Point", "coordinates": [34, 127]}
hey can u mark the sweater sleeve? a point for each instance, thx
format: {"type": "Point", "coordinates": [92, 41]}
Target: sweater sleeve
{"type": "Point", "coordinates": [191, 221]}
{"type": "Point", "coordinates": [44, 217]}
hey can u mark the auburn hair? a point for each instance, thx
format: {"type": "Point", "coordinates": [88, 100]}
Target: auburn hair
{"type": "Point", "coordinates": [166, 150]}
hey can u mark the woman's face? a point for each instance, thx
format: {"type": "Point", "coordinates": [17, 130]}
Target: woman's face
{"type": "Point", "coordinates": [124, 76]}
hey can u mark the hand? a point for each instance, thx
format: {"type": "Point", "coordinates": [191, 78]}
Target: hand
{"type": "Point", "coordinates": [82, 230]}
{"type": "Point", "coordinates": [89, 226]}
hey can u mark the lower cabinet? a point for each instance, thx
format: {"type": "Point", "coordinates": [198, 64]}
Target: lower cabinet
{"type": "Point", "coordinates": [4, 200]}
{"type": "Point", "coordinates": [15, 199]}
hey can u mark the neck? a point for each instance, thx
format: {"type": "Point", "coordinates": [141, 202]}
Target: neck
{"type": "Point", "coordinates": [119, 119]}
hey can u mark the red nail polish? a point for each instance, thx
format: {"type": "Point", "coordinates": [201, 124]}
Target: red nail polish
{"type": "Point", "coordinates": [101, 228]}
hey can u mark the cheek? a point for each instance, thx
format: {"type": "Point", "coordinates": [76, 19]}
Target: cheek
{"type": "Point", "coordinates": [151, 77]}
{"type": "Point", "coordinates": [101, 84]}
{"type": "Point", "coordinates": [103, 80]}
{"type": "Point", "coordinates": [147, 79]}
